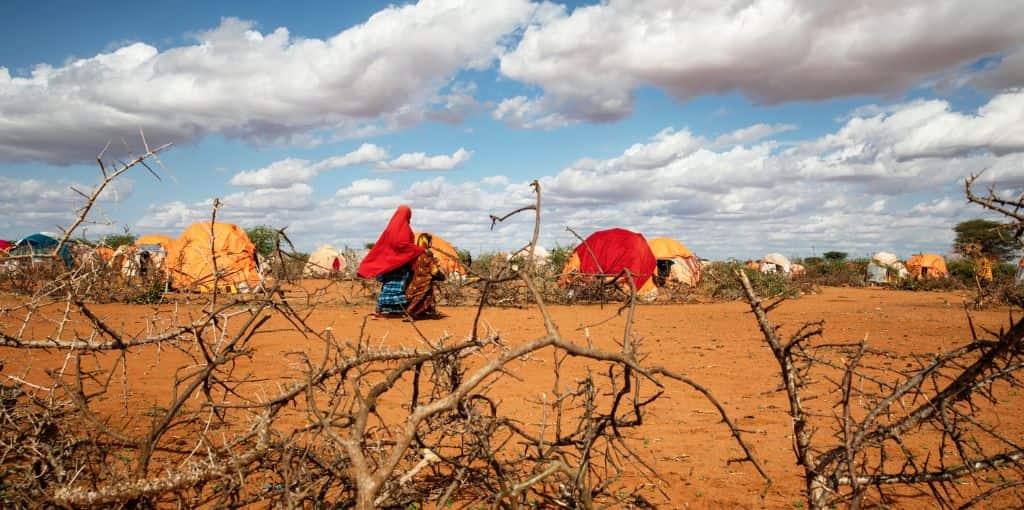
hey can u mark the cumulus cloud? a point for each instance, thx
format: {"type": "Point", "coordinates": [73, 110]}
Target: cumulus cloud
{"type": "Point", "coordinates": [366, 187]}
{"type": "Point", "coordinates": [884, 178]}
{"type": "Point", "coordinates": [590, 61]}
{"type": "Point", "coordinates": [240, 82]}
{"type": "Point", "coordinates": [521, 112]}
{"type": "Point", "coordinates": [31, 205]}
{"type": "Point", "coordinates": [1008, 72]}
{"type": "Point", "coordinates": [284, 173]}
{"type": "Point", "coordinates": [420, 161]}
{"type": "Point", "coordinates": [751, 134]}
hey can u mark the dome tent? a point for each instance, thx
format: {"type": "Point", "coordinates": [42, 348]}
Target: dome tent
{"type": "Point", "coordinates": [446, 255]}
{"type": "Point", "coordinates": [41, 245]}
{"type": "Point", "coordinates": [676, 263]}
{"type": "Point", "coordinates": [608, 252]}
{"type": "Point", "coordinates": [162, 241]}
{"type": "Point", "coordinates": [193, 256]}
{"type": "Point", "coordinates": [325, 261]}
{"type": "Point", "coordinates": [775, 263]}
{"type": "Point", "coordinates": [927, 265]}
{"type": "Point", "coordinates": [885, 268]}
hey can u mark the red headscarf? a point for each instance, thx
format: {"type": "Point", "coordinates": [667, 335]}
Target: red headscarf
{"type": "Point", "coordinates": [395, 247]}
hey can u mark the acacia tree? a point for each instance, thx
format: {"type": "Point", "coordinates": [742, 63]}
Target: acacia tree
{"type": "Point", "coordinates": [991, 238]}
{"type": "Point", "coordinates": [263, 237]}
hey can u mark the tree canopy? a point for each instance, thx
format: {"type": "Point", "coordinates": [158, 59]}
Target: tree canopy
{"type": "Point", "coordinates": [984, 237]}
{"type": "Point", "coordinates": [834, 256]}
{"type": "Point", "coordinates": [115, 240]}
{"type": "Point", "coordinates": [263, 237]}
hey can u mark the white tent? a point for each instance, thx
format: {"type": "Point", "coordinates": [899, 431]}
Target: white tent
{"type": "Point", "coordinates": [325, 261]}
{"type": "Point", "coordinates": [885, 265]}
{"type": "Point", "coordinates": [540, 255]}
{"type": "Point", "coordinates": [775, 263]}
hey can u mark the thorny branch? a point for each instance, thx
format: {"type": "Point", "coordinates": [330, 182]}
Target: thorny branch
{"type": "Point", "coordinates": [326, 427]}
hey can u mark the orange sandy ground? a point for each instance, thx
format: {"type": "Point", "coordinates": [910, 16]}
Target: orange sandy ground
{"type": "Point", "coordinates": [717, 344]}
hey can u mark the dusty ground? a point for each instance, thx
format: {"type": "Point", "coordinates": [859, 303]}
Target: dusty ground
{"type": "Point", "coordinates": [716, 344]}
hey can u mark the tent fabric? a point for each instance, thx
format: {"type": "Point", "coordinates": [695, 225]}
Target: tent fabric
{"type": "Point", "coordinates": [885, 259]}
{"type": "Point", "coordinates": [685, 270]}
{"type": "Point", "coordinates": [891, 263]}
{"type": "Point", "coordinates": [927, 265]}
{"type": "Point", "coordinates": [105, 253]}
{"type": "Point", "coordinates": [5, 245]}
{"type": "Point", "coordinates": [395, 247]}
{"type": "Point", "coordinates": [615, 249]}
{"type": "Point", "coordinates": [162, 240]}
{"type": "Point", "coordinates": [774, 262]}
{"type": "Point", "coordinates": [540, 255]}
{"type": "Point", "coordinates": [190, 262]}
{"type": "Point", "coordinates": [877, 273]}
{"type": "Point", "coordinates": [42, 244]}
{"type": "Point", "coordinates": [446, 254]}
{"type": "Point", "coordinates": [324, 261]}
{"type": "Point", "coordinates": [665, 248]}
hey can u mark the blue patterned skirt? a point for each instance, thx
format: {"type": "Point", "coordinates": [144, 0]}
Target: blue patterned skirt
{"type": "Point", "coordinates": [392, 292]}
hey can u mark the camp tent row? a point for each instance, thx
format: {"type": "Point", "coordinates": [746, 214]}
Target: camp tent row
{"type": "Point", "coordinates": [205, 256]}
{"type": "Point", "coordinates": [886, 267]}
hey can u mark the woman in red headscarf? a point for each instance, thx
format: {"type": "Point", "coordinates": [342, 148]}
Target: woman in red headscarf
{"type": "Point", "coordinates": [391, 261]}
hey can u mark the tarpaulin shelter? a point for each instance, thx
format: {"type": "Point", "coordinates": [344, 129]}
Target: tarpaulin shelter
{"type": "Point", "coordinates": [41, 245]}
{"type": "Point", "coordinates": [775, 263]}
{"type": "Point", "coordinates": [105, 253]}
{"type": "Point", "coordinates": [153, 250]}
{"type": "Point", "coordinates": [446, 254]}
{"type": "Point", "coordinates": [540, 255]}
{"type": "Point", "coordinates": [886, 267]}
{"type": "Point", "coordinates": [324, 261]}
{"type": "Point", "coordinates": [676, 263]}
{"type": "Point", "coordinates": [162, 241]}
{"type": "Point", "coordinates": [193, 257]}
{"type": "Point", "coordinates": [608, 252]}
{"type": "Point", "coordinates": [927, 265]}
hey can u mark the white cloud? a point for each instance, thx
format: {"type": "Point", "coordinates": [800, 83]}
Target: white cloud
{"type": "Point", "coordinates": [521, 112]}
{"type": "Point", "coordinates": [495, 181]}
{"type": "Point", "coordinates": [366, 187]}
{"type": "Point", "coordinates": [751, 134]}
{"type": "Point", "coordinates": [420, 161]}
{"type": "Point", "coordinates": [32, 205]}
{"type": "Point", "coordinates": [279, 174]}
{"type": "Point", "coordinates": [240, 82]}
{"type": "Point", "coordinates": [1009, 72]}
{"type": "Point", "coordinates": [589, 62]}
{"type": "Point", "coordinates": [284, 173]}
{"type": "Point", "coordinates": [888, 178]}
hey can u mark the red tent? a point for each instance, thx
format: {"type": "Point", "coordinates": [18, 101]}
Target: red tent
{"type": "Point", "coordinates": [5, 245]}
{"type": "Point", "coordinates": [614, 250]}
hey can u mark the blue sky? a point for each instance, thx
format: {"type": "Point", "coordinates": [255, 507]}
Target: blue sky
{"type": "Point", "coordinates": [740, 128]}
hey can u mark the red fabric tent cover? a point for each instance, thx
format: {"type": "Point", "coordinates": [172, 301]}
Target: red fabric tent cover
{"type": "Point", "coordinates": [395, 248]}
{"type": "Point", "coordinates": [5, 245]}
{"type": "Point", "coordinates": [617, 249]}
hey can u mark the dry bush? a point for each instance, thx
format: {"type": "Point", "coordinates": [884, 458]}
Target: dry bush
{"type": "Point", "coordinates": [887, 426]}
{"type": "Point", "coordinates": [343, 422]}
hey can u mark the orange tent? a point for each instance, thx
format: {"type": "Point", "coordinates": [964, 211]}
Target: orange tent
{"type": "Point", "coordinates": [164, 241]}
{"type": "Point", "coordinates": [446, 254]}
{"type": "Point", "coordinates": [667, 248]}
{"type": "Point", "coordinates": [676, 262]}
{"type": "Point", "coordinates": [927, 265]}
{"type": "Point", "coordinates": [191, 259]}
{"type": "Point", "coordinates": [105, 253]}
